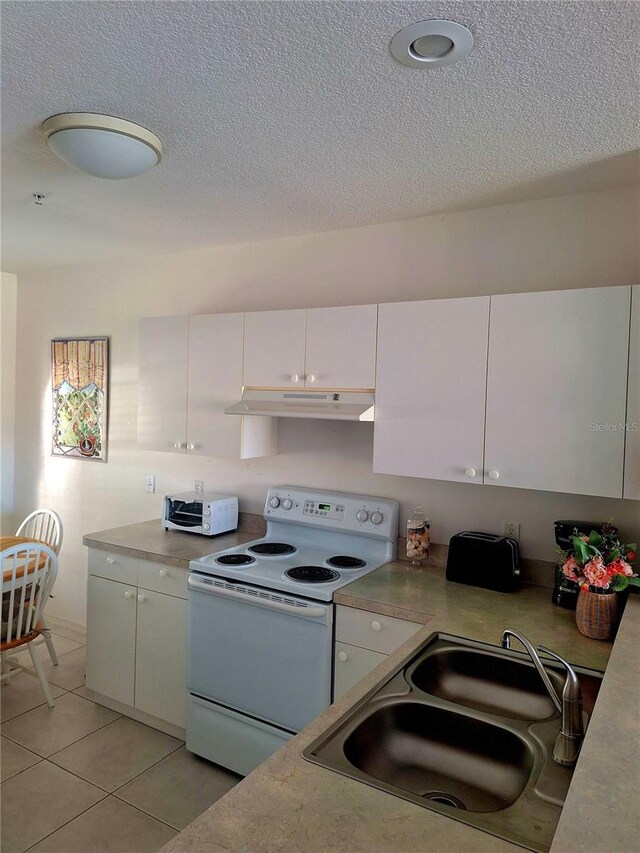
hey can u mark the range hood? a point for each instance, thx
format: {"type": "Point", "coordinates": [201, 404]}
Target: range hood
{"type": "Point", "coordinates": [327, 405]}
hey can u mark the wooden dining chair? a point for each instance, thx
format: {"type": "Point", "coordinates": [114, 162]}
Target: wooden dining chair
{"type": "Point", "coordinates": [28, 573]}
{"type": "Point", "coordinates": [44, 525]}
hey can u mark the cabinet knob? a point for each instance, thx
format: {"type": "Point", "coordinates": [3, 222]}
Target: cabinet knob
{"type": "Point", "coordinates": [343, 656]}
{"type": "Point", "coordinates": [110, 560]}
{"type": "Point", "coordinates": [295, 378]}
{"type": "Point", "coordinates": [470, 472]}
{"type": "Point", "coordinates": [376, 626]}
{"type": "Point", "coordinates": [494, 475]}
{"type": "Point", "coordinates": [142, 597]}
{"type": "Point", "coordinates": [163, 573]}
{"type": "Point", "coordinates": [191, 446]}
{"type": "Point", "coordinates": [310, 377]}
{"type": "Point", "coordinates": [128, 594]}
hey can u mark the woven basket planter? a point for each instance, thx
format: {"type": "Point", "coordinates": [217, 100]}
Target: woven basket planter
{"type": "Point", "coordinates": [597, 614]}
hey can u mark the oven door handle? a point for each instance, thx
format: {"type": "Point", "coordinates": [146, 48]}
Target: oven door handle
{"type": "Point", "coordinates": [309, 611]}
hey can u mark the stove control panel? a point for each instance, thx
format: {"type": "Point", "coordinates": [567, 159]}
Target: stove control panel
{"type": "Point", "coordinates": [339, 511]}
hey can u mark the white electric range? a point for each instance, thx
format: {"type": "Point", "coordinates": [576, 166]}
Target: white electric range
{"type": "Point", "coordinates": [261, 620]}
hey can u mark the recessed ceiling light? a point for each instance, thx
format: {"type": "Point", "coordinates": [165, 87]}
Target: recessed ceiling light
{"type": "Point", "coordinates": [100, 145]}
{"type": "Point", "coordinates": [431, 44]}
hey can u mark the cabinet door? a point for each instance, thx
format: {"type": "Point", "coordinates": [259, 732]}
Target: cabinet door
{"type": "Point", "coordinates": [274, 349]}
{"type": "Point", "coordinates": [214, 382]}
{"type": "Point", "coordinates": [162, 383]}
{"type": "Point", "coordinates": [161, 656]}
{"type": "Point", "coordinates": [341, 347]}
{"type": "Point", "coordinates": [632, 452]}
{"type": "Point", "coordinates": [556, 390]}
{"type": "Point", "coordinates": [430, 389]}
{"type": "Point", "coordinates": [111, 638]}
{"type": "Point", "coordinates": [352, 664]}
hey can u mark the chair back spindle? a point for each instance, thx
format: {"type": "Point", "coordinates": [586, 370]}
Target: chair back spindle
{"type": "Point", "coordinates": [43, 525]}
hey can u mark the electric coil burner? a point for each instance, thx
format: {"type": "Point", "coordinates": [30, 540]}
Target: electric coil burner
{"type": "Point", "coordinates": [344, 562]}
{"type": "Point", "coordinates": [235, 560]}
{"type": "Point", "coordinates": [272, 549]}
{"type": "Point", "coordinates": [312, 574]}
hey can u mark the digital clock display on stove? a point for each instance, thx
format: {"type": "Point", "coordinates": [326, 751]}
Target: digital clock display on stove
{"type": "Point", "coordinates": [334, 511]}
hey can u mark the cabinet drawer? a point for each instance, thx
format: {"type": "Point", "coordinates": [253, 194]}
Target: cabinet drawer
{"type": "Point", "coordinates": [371, 630]}
{"type": "Point", "coordinates": [114, 567]}
{"type": "Point", "coordinates": [352, 663]}
{"type": "Point", "coordinates": [162, 578]}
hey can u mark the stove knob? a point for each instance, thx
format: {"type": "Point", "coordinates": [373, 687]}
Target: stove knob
{"type": "Point", "coordinates": [207, 512]}
{"type": "Point", "coordinates": [274, 502]}
{"type": "Point", "coordinates": [376, 518]}
{"type": "Point", "coordinates": [362, 515]}
{"type": "Point", "coordinates": [206, 526]}
{"type": "Point", "coordinates": [287, 503]}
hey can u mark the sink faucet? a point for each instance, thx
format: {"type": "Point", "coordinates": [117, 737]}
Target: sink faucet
{"type": "Point", "coordinates": [569, 706]}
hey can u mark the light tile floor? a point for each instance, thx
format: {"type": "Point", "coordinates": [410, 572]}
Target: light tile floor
{"type": "Point", "coordinates": [79, 777]}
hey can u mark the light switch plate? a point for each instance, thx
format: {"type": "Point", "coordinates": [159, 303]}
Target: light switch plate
{"type": "Point", "coordinates": [198, 487]}
{"type": "Point", "coordinates": [150, 483]}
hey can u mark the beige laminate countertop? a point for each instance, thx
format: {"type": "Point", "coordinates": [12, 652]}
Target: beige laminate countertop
{"type": "Point", "coordinates": [148, 540]}
{"type": "Point", "coordinates": [288, 804]}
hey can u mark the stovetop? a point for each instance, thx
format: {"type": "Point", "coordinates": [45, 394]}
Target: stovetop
{"type": "Point", "coordinates": [271, 572]}
{"type": "Point", "coordinates": [327, 551]}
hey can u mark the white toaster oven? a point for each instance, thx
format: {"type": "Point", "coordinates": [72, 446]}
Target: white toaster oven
{"type": "Point", "coordinates": [195, 512]}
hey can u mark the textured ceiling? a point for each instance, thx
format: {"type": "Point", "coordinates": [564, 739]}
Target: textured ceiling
{"type": "Point", "coordinates": [283, 118]}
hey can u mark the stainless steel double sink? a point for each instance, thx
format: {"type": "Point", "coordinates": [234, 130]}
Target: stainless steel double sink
{"type": "Point", "coordinates": [466, 729]}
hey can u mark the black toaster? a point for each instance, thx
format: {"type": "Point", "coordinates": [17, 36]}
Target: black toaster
{"type": "Point", "coordinates": [484, 559]}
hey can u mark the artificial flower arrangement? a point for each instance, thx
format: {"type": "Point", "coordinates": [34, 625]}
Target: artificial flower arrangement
{"type": "Point", "coordinates": [600, 562]}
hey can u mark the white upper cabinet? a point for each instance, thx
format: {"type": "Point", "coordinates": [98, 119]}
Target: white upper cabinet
{"type": "Point", "coordinates": [341, 347]}
{"type": "Point", "coordinates": [314, 348]}
{"type": "Point", "coordinates": [190, 370]}
{"type": "Point", "coordinates": [556, 390]}
{"type": "Point", "coordinates": [162, 383]}
{"type": "Point", "coordinates": [430, 389]}
{"type": "Point", "coordinates": [214, 382]}
{"type": "Point", "coordinates": [632, 453]}
{"type": "Point", "coordinates": [274, 349]}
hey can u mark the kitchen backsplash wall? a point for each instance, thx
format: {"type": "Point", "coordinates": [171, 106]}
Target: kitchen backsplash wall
{"type": "Point", "coordinates": [573, 241]}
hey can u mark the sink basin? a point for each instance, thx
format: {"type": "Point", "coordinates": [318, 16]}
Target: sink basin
{"type": "Point", "coordinates": [486, 682]}
{"type": "Point", "coordinates": [492, 681]}
{"type": "Point", "coordinates": [466, 729]}
{"type": "Point", "coordinates": [438, 754]}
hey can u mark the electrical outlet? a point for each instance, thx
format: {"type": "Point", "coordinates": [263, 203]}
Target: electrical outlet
{"type": "Point", "coordinates": [150, 483]}
{"type": "Point", "coordinates": [198, 487]}
{"type": "Point", "coordinates": [511, 529]}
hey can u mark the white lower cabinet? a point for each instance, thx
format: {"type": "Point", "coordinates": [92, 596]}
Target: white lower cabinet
{"type": "Point", "coordinates": [111, 638]}
{"type": "Point", "coordinates": [351, 664]}
{"type": "Point", "coordinates": [363, 640]}
{"type": "Point", "coordinates": [137, 635]}
{"type": "Point", "coordinates": [161, 652]}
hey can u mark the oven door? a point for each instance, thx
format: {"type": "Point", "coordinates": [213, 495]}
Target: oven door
{"type": "Point", "coordinates": [262, 653]}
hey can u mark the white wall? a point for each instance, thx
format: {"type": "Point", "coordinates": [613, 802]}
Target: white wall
{"type": "Point", "coordinates": [574, 241]}
{"type": "Point", "coordinates": [8, 319]}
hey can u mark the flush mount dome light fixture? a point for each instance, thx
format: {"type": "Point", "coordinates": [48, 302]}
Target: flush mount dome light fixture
{"type": "Point", "coordinates": [431, 44]}
{"type": "Point", "coordinates": [100, 145]}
